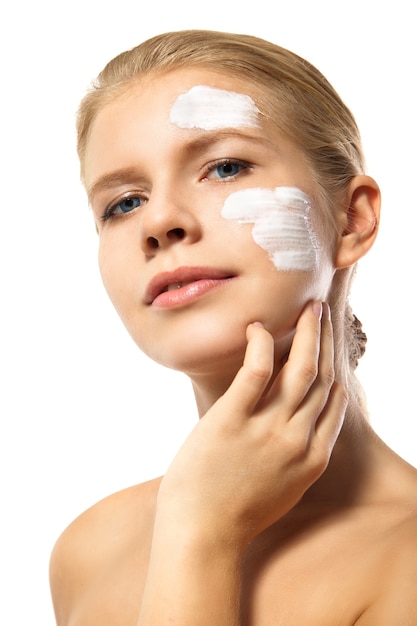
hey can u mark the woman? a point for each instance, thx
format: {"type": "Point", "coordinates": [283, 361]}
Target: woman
{"type": "Point", "coordinates": [227, 183]}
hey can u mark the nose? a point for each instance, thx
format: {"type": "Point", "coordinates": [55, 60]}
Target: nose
{"type": "Point", "coordinates": [166, 222]}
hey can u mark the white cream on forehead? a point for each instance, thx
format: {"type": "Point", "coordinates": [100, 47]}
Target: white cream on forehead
{"type": "Point", "coordinates": [209, 108]}
{"type": "Point", "coordinates": [281, 224]}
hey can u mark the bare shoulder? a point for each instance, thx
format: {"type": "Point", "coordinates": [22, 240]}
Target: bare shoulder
{"type": "Point", "coordinates": [395, 598]}
{"type": "Point", "coordinates": [395, 601]}
{"type": "Point", "coordinates": [102, 540]}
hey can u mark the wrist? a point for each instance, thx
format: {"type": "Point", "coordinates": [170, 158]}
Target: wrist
{"type": "Point", "coordinates": [202, 531]}
{"type": "Point", "coordinates": [188, 568]}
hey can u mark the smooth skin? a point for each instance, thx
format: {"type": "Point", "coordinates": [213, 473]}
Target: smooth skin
{"type": "Point", "coordinates": [282, 507]}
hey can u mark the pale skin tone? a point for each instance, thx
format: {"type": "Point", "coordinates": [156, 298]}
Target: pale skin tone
{"type": "Point", "coordinates": [282, 506]}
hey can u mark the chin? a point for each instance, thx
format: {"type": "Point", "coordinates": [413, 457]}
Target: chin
{"type": "Point", "coordinates": [203, 348]}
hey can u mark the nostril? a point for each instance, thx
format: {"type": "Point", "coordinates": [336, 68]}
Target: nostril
{"type": "Point", "coordinates": [153, 243]}
{"type": "Point", "coordinates": [176, 233]}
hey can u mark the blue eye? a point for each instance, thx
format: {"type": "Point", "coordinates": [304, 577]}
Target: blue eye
{"type": "Point", "coordinates": [226, 168]}
{"type": "Point", "coordinates": [127, 205]}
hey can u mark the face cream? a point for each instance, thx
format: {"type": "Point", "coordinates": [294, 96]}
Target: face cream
{"type": "Point", "coordinates": [281, 224]}
{"type": "Point", "coordinates": [208, 108]}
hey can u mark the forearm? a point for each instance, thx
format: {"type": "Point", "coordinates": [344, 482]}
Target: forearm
{"type": "Point", "coordinates": [192, 580]}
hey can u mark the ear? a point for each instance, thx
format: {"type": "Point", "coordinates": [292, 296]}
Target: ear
{"type": "Point", "coordinates": [361, 219]}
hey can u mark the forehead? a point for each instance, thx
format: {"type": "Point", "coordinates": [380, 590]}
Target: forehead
{"type": "Point", "coordinates": [185, 89]}
{"type": "Point", "coordinates": [164, 102]}
{"type": "Point", "coordinates": [173, 83]}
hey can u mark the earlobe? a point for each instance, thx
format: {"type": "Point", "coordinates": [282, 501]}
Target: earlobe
{"type": "Point", "coordinates": [361, 220]}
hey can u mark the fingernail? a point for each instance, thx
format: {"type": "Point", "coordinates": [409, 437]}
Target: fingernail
{"type": "Point", "coordinates": [317, 309]}
{"type": "Point", "coordinates": [258, 324]}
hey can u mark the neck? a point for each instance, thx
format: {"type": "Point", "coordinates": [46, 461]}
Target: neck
{"type": "Point", "coordinates": [207, 390]}
{"type": "Point", "coordinates": [359, 471]}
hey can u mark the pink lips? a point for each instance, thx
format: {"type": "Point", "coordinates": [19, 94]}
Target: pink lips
{"type": "Point", "coordinates": [183, 285]}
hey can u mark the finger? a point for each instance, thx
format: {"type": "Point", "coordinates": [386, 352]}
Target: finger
{"type": "Point", "coordinates": [326, 371]}
{"type": "Point", "coordinates": [301, 369]}
{"type": "Point", "coordinates": [317, 395]}
{"type": "Point", "coordinates": [321, 441]}
{"type": "Point", "coordinates": [253, 377]}
{"type": "Point", "coordinates": [329, 424]}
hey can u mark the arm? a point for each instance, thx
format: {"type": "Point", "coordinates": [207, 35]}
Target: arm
{"type": "Point", "coordinates": [192, 580]}
{"type": "Point", "coordinates": [247, 463]}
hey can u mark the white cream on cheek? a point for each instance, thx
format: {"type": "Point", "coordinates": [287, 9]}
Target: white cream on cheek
{"type": "Point", "coordinates": [209, 108]}
{"type": "Point", "coordinates": [281, 224]}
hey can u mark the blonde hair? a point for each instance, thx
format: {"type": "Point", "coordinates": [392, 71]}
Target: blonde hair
{"type": "Point", "coordinates": [298, 99]}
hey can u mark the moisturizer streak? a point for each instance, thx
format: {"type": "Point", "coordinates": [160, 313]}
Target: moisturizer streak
{"type": "Point", "coordinates": [208, 108]}
{"type": "Point", "coordinates": [281, 224]}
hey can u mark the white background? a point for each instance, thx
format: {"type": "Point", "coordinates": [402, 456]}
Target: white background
{"type": "Point", "coordinates": [82, 413]}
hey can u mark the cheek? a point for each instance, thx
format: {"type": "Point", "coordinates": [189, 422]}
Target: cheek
{"type": "Point", "coordinates": [113, 272]}
{"type": "Point", "coordinates": [281, 225]}
{"type": "Point", "coordinates": [104, 263]}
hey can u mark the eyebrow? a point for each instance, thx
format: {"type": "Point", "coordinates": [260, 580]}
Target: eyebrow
{"type": "Point", "coordinates": [195, 145]}
{"type": "Point", "coordinates": [208, 138]}
{"type": "Point", "coordinates": [112, 179]}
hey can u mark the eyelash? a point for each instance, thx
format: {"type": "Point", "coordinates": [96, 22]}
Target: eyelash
{"type": "Point", "coordinates": [222, 162]}
{"type": "Point", "coordinates": [110, 212]}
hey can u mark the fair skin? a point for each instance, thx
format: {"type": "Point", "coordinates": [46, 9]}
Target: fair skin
{"type": "Point", "coordinates": [282, 506]}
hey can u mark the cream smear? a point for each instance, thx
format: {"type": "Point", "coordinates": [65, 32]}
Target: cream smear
{"type": "Point", "coordinates": [211, 109]}
{"type": "Point", "coordinates": [281, 224]}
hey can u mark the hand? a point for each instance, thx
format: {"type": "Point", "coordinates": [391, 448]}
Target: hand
{"type": "Point", "coordinates": [262, 444]}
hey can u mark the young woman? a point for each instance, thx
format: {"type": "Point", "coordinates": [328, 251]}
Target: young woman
{"type": "Point", "coordinates": [228, 188]}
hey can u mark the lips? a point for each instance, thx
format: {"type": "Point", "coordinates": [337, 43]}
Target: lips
{"type": "Point", "coordinates": [183, 284]}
